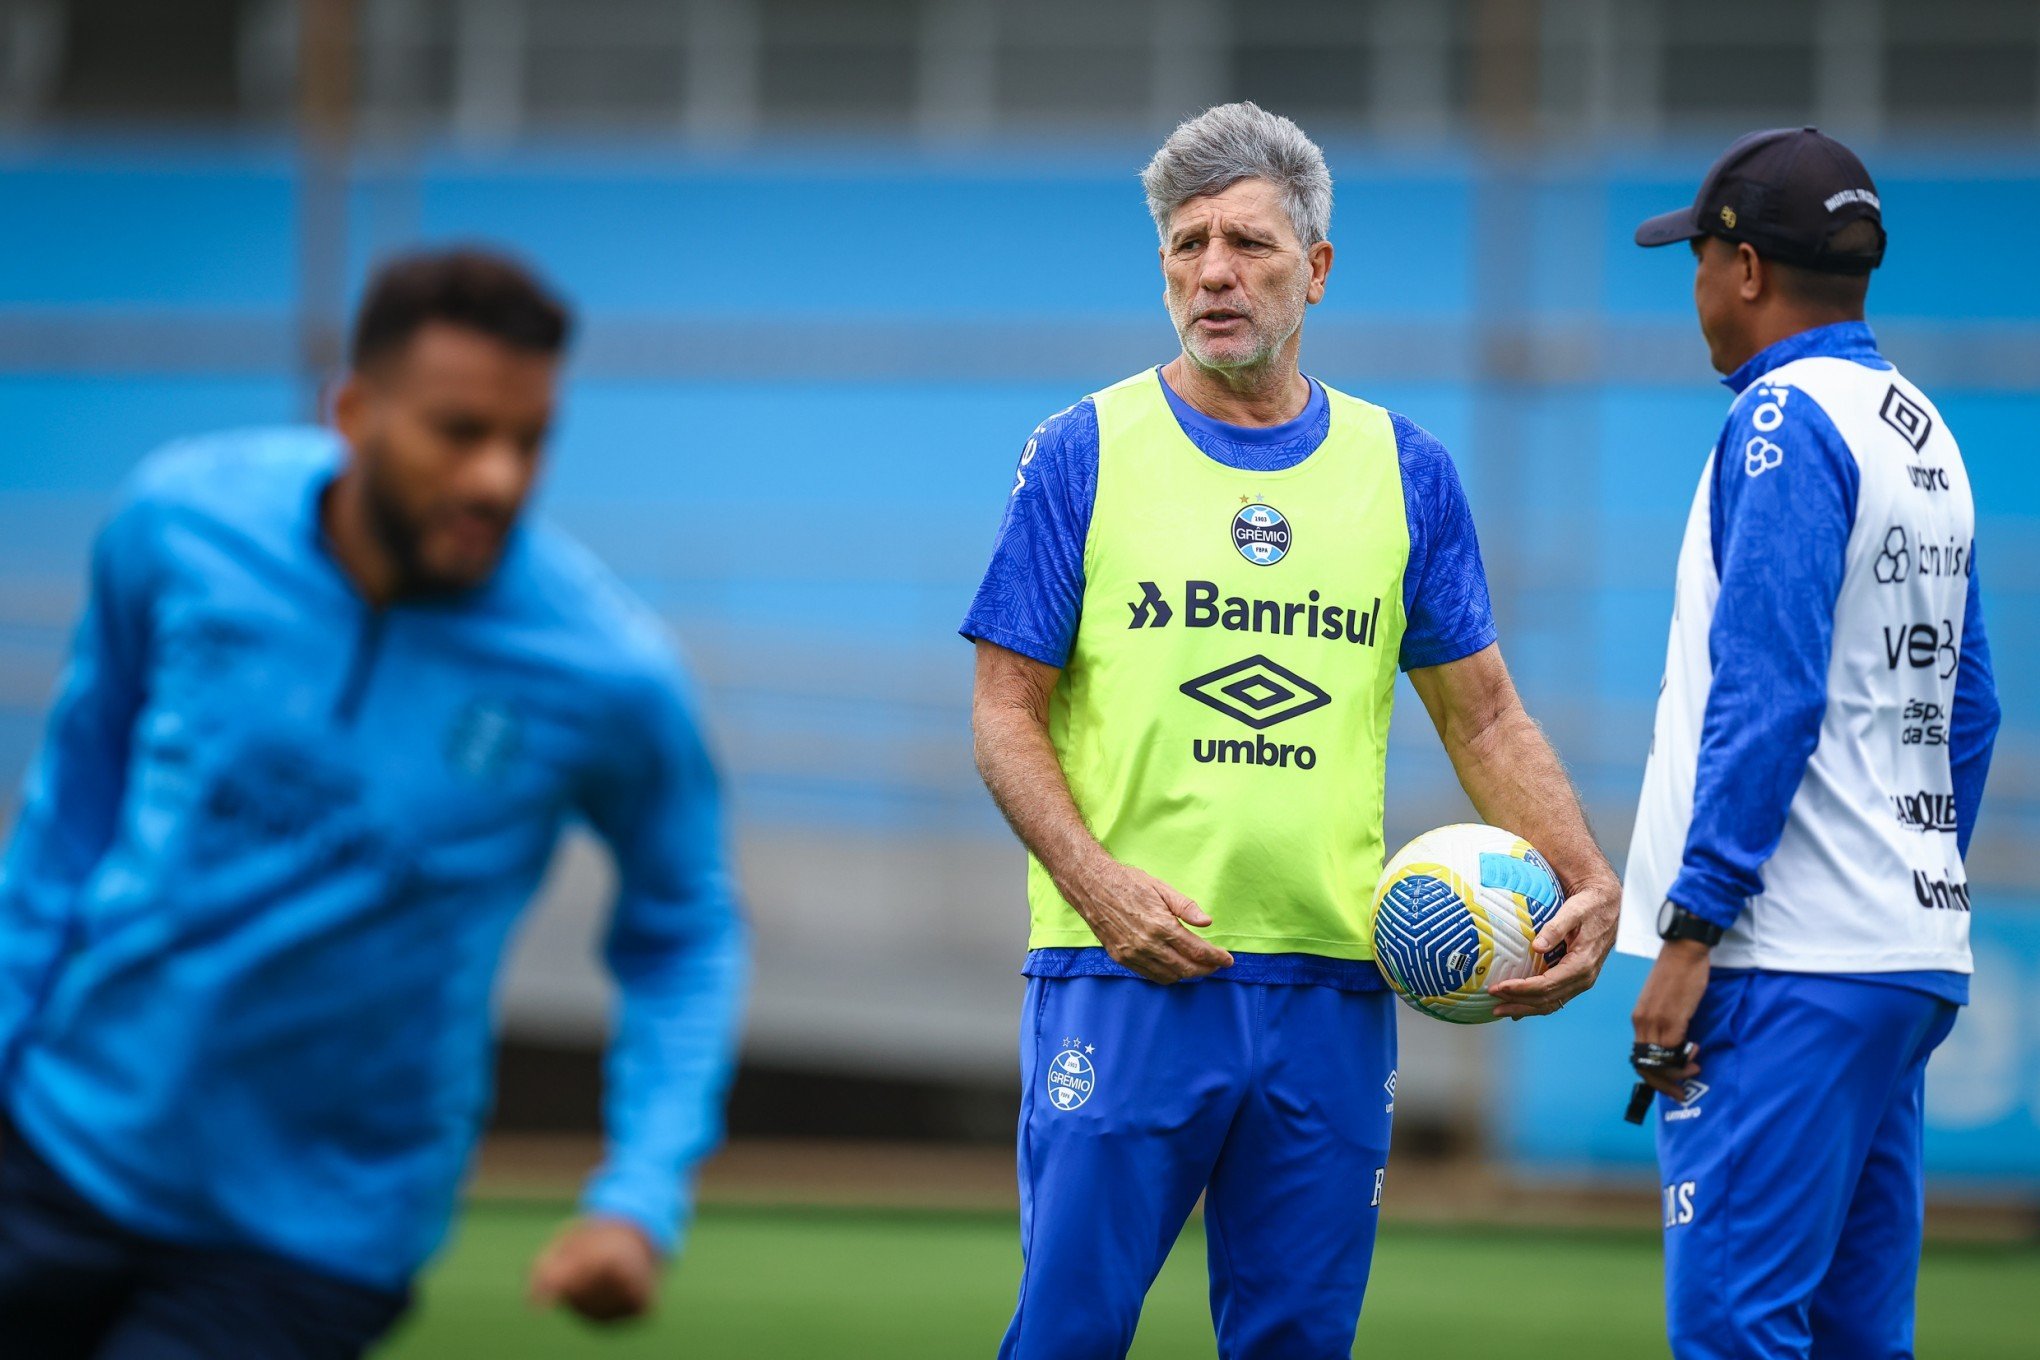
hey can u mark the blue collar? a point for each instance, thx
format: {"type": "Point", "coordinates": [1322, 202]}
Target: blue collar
{"type": "Point", "coordinates": [1297, 427]}
{"type": "Point", "coordinates": [1842, 340]}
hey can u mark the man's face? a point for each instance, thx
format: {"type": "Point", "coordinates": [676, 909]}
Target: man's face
{"type": "Point", "coordinates": [446, 435]}
{"type": "Point", "coordinates": [1237, 278]}
{"type": "Point", "coordinates": [1717, 283]}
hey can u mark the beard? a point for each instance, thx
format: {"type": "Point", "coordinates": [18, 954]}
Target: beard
{"type": "Point", "coordinates": [1270, 326]}
{"type": "Point", "coordinates": [402, 532]}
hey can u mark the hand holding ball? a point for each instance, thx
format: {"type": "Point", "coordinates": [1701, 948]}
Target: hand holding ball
{"type": "Point", "coordinates": [1456, 911]}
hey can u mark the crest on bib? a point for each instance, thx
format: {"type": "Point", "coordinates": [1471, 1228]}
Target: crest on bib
{"type": "Point", "coordinates": [1261, 533]}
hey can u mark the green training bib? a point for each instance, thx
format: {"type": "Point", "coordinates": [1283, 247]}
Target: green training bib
{"type": "Point", "coordinates": [1223, 717]}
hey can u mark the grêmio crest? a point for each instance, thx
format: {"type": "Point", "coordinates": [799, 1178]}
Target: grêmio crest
{"type": "Point", "coordinates": [1261, 533]}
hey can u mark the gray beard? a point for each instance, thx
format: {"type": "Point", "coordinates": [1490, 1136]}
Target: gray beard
{"type": "Point", "coordinates": [1261, 357]}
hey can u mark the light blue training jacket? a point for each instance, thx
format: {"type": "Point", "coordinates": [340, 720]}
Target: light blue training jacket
{"type": "Point", "coordinates": [253, 909]}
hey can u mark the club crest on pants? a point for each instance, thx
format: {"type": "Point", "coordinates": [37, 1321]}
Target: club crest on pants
{"type": "Point", "coordinates": [1071, 1075]}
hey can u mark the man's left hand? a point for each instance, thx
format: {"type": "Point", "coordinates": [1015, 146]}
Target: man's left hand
{"type": "Point", "coordinates": [1664, 1009]}
{"type": "Point", "coordinates": [603, 1268]}
{"type": "Point", "coordinates": [1585, 925]}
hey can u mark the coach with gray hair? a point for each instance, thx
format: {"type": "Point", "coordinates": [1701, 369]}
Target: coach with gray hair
{"type": "Point", "coordinates": [1205, 582]}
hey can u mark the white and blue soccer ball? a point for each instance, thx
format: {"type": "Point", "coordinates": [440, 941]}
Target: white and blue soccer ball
{"type": "Point", "coordinates": [1455, 912]}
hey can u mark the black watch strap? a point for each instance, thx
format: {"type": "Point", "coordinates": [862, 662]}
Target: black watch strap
{"type": "Point", "coordinates": [1676, 923]}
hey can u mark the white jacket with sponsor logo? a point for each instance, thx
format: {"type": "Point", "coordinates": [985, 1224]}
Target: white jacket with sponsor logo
{"type": "Point", "coordinates": [1867, 876]}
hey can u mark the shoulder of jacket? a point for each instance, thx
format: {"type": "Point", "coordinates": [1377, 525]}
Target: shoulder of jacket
{"type": "Point", "coordinates": [252, 479]}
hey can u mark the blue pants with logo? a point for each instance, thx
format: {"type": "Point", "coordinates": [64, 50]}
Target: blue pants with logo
{"type": "Point", "coordinates": [1793, 1195]}
{"type": "Point", "coordinates": [1271, 1100]}
{"type": "Point", "coordinates": [74, 1285]}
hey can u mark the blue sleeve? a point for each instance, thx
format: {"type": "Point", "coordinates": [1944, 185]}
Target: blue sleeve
{"type": "Point", "coordinates": [1033, 590]}
{"type": "Point", "coordinates": [1972, 727]}
{"type": "Point", "coordinates": [1445, 590]}
{"type": "Point", "coordinates": [1783, 504]}
{"type": "Point", "coordinates": [677, 949]}
{"type": "Point", "coordinates": [71, 804]}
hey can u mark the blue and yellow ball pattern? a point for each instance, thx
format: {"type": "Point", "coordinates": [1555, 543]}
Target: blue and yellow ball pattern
{"type": "Point", "coordinates": [1456, 910]}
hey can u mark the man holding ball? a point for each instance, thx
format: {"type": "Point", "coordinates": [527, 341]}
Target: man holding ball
{"type": "Point", "coordinates": [1187, 641]}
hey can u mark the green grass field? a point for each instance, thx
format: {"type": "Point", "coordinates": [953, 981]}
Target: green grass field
{"type": "Point", "coordinates": [765, 1284]}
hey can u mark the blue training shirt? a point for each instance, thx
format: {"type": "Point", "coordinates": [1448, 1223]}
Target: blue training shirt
{"type": "Point", "coordinates": [253, 908]}
{"type": "Point", "coordinates": [1032, 593]}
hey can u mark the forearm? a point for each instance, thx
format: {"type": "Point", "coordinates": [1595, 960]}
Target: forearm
{"type": "Point", "coordinates": [1516, 781]}
{"type": "Point", "coordinates": [1742, 795]}
{"type": "Point", "coordinates": [66, 824]}
{"type": "Point", "coordinates": [668, 1069]}
{"type": "Point", "coordinates": [1137, 918]}
{"type": "Point", "coordinates": [32, 938]}
{"type": "Point", "coordinates": [1973, 723]}
{"type": "Point", "coordinates": [1019, 765]}
{"type": "Point", "coordinates": [1765, 706]}
{"type": "Point", "coordinates": [1969, 766]}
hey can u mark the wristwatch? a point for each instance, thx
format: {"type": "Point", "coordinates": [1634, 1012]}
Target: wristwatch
{"type": "Point", "coordinates": [1674, 922]}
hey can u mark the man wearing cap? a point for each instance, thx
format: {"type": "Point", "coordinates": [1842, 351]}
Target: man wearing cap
{"type": "Point", "coordinates": [1822, 737]}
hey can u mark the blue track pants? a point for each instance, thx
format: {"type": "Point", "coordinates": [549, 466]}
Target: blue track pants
{"type": "Point", "coordinates": [1792, 1174]}
{"type": "Point", "coordinates": [1272, 1101]}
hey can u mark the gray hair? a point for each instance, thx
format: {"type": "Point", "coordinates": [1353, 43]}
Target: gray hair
{"type": "Point", "coordinates": [1232, 142]}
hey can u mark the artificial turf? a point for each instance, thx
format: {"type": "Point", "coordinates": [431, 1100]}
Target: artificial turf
{"type": "Point", "coordinates": [766, 1284]}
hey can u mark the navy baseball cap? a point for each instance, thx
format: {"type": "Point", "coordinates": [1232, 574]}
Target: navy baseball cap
{"type": "Point", "coordinates": [1786, 192]}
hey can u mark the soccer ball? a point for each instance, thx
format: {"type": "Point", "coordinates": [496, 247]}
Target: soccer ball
{"type": "Point", "coordinates": [1456, 910]}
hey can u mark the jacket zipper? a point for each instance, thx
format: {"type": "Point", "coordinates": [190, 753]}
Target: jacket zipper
{"type": "Point", "coordinates": [367, 644]}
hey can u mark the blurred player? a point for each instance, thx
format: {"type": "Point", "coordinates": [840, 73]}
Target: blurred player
{"type": "Point", "coordinates": [327, 711]}
{"type": "Point", "coordinates": [1822, 739]}
{"type": "Point", "coordinates": [1187, 645]}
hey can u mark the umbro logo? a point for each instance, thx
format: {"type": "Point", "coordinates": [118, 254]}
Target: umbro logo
{"type": "Point", "coordinates": [1257, 692]}
{"type": "Point", "coordinates": [1903, 415]}
{"type": "Point", "coordinates": [1689, 1102]}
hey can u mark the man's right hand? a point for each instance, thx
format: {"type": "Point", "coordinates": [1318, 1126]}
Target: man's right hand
{"type": "Point", "coordinates": [1141, 921]}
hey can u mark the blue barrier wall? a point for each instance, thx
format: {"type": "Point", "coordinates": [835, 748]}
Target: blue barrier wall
{"type": "Point", "coordinates": [806, 375]}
